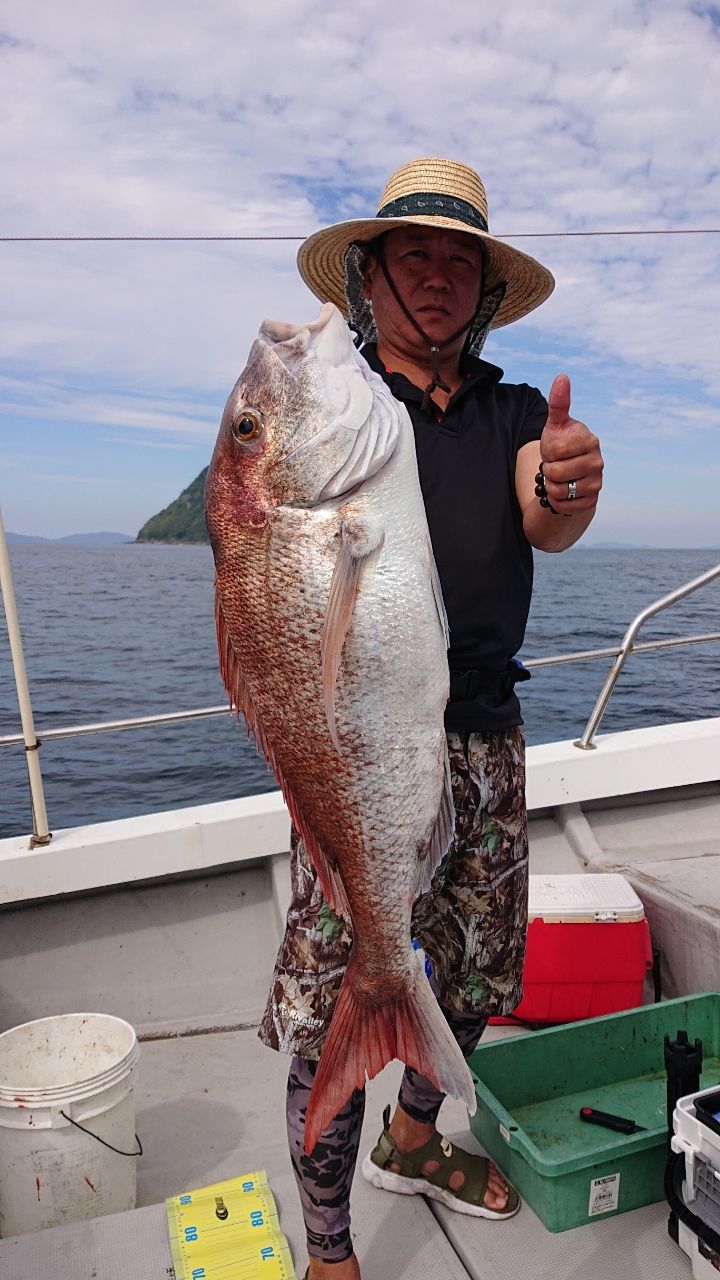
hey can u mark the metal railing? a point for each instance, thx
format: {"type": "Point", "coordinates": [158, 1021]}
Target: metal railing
{"type": "Point", "coordinates": [585, 743]}
{"type": "Point", "coordinates": [33, 739]}
{"type": "Point", "coordinates": [116, 726]}
{"type": "Point", "coordinates": [204, 713]}
{"type": "Point", "coordinates": [41, 831]}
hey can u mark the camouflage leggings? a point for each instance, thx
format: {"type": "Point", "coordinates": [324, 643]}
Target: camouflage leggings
{"type": "Point", "coordinates": [324, 1178]}
{"type": "Point", "coordinates": [471, 922]}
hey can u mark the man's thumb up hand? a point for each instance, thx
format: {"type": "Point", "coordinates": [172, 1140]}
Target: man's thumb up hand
{"type": "Point", "coordinates": [570, 453]}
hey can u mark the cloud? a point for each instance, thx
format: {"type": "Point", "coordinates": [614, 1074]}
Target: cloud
{"type": "Point", "coordinates": [51, 401]}
{"type": "Point", "coordinates": [131, 119]}
{"type": "Point", "coordinates": [136, 442]}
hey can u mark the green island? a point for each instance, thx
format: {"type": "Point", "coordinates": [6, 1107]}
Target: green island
{"type": "Point", "coordinates": [183, 520]}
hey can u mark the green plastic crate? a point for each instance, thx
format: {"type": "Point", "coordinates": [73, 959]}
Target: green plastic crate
{"type": "Point", "coordinates": [530, 1090]}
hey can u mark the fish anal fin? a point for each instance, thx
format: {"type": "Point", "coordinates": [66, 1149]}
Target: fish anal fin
{"type": "Point", "coordinates": [360, 547]}
{"type": "Point", "coordinates": [438, 596]}
{"type": "Point", "coordinates": [364, 1037]}
{"type": "Point", "coordinates": [441, 836]}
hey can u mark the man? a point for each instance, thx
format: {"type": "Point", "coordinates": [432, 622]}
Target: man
{"type": "Point", "coordinates": [501, 471]}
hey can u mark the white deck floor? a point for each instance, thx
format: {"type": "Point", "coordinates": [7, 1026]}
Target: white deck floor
{"type": "Point", "coordinates": [195, 956]}
{"type": "Point", "coordinates": [210, 1107]}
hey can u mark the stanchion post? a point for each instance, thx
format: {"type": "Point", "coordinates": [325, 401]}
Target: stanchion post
{"type": "Point", "coordinates": [41, 834]}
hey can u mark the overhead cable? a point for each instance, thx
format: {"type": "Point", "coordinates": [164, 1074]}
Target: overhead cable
{"type": "Point", "coordinates": [508, 235]}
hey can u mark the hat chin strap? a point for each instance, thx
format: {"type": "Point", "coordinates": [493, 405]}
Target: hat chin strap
{"type": "Point", "coordinates": [435, 379]}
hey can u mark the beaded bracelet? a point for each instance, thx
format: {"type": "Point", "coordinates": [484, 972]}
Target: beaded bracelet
{"type": "Point", "coordinates": [541, 492]}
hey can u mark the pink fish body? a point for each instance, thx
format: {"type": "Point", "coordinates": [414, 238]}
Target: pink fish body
{"type": "Point", "coordinates": [332, 639]}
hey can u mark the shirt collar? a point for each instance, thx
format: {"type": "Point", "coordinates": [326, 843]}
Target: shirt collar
{"type": "Point", "coordinates": [478, 373]}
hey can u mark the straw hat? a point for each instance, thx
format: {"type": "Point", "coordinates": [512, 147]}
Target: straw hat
{"type": "Point", "coordinates": [434, 193]}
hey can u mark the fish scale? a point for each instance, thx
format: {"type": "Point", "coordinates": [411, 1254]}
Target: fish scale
{"type": "Point", "coordinates": [333, 640]}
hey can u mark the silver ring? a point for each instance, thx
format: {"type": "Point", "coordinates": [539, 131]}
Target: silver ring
{"type": "Point", "coordinates": [572, 490]}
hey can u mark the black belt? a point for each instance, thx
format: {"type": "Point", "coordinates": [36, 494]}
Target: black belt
{"type": "Point", "coordinates": [469, 684]}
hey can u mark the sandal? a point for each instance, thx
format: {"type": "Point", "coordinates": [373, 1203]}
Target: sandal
{"type": "Point", "coordinates": [451, 1159]}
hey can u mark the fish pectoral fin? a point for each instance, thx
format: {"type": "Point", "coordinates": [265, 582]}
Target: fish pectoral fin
{"type": "Point", "coordinates": [360, 547]}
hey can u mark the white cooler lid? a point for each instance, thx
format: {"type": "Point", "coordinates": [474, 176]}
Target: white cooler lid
{"type": "Point", "coordinates": [603, 898]}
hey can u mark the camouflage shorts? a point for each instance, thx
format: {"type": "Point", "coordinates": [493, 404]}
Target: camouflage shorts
{"type": "Point", "coordinates": [471, 923]}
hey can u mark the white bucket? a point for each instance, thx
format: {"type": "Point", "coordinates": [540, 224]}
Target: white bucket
{"type": "Point", "coordinates": [56, 1074]}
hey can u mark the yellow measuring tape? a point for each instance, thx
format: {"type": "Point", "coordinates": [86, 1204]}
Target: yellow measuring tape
{"type": "Point", "coordinates": [228, 1231]}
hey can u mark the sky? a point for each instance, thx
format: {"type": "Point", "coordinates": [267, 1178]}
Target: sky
{"type": "Point", "coordinates": [234, 119]}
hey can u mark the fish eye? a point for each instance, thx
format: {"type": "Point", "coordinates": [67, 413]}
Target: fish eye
{"type": "Point", "coordinates": [247, 425]}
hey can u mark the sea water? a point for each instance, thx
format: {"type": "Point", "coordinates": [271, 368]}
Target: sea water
{"type": "Point", "coordinates": [115, 632]}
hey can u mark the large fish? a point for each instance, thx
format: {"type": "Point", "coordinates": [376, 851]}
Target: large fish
{"type": "Point", "coordinates": [332, 638]}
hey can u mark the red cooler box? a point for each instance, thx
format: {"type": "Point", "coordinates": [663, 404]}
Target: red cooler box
{"type": "Point", "coordinates": [588, 949]}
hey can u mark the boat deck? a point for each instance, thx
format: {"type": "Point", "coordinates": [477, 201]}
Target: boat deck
{"type": "Point", "coordinates": [209, 1107]}
{"type": "Point", "coordinates": [188, 963]}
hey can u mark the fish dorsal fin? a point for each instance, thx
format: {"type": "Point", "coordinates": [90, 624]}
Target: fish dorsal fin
{"type": "Point", "coordinates": [331, 884]}
{"type": "Point", "coordinates": [231, 672]}
{"type": "Point", "coordinates": [360, 547]}
{"type": "Point", "coordinates": [333, 889]}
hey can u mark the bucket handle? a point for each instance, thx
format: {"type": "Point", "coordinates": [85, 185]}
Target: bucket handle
{"type": "Point", "coordinates": [90, 1134]}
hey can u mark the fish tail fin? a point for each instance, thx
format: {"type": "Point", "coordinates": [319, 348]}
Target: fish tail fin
{"type": "Point", "coordinates": [364, 1037]}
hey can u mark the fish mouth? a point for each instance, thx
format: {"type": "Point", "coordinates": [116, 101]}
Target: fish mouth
{"type": "Point", "coordinates": [350, 429]}
{"type": "Point", "coordinates": [280, 332]}
{"type": "Point", "coordinates": [272, 331]}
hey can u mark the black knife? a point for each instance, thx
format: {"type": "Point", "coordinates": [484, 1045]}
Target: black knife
{"type": "Point", "coordinates": [609, 1121]}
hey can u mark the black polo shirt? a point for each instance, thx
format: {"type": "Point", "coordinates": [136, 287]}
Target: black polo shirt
{"type": "Point", "coordinates": [466, 460]}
